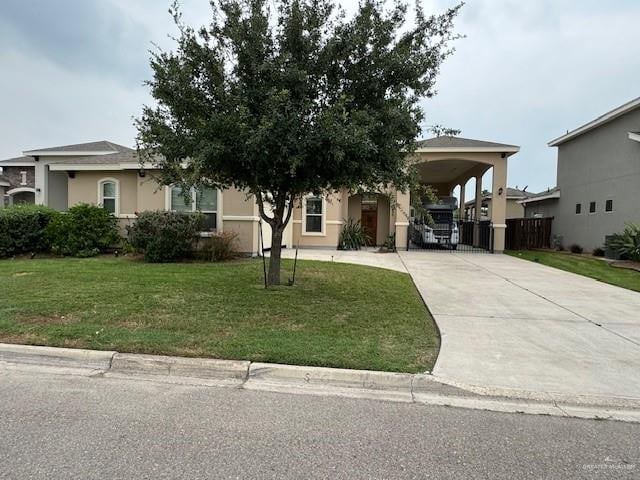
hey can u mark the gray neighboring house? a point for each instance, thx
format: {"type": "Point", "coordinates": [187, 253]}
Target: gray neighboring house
{"type": "Point", "coordinates": [598, 179]}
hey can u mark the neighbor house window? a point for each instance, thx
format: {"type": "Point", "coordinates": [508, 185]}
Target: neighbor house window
{"type": "Point", "coordinates": [108, 195]}
{"type": "Point", "coordinates": [314, 215]}
{"type": "Point", "coordinates": [608, 207]}
{"type": "Point", "coordinates": [203, 200]}
{"type": "Point", "coordinates": [578, 208]}
{"type": "Point", "coordinates": [592, 207]}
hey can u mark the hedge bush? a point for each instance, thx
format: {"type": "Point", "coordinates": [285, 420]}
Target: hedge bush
{"type": "Point", "coordinates": [165, 236]}
{"type": "Point", "coordinates": [221, 247]}
{"type": "Point", "coordinates": [84, 231]}
{"type": "Point", "coordinates": [23, 229]}
{"type": "Point", "coordinates": [575, 248]}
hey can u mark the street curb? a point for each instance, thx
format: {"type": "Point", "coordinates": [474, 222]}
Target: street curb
{"type": "Point", "coordinates": [292, 379]}
{"type": "Point", "coordinates": [330, 381]}
{"type": "Point", "coordinates": [179, 367]}
{"type": "Point", "coordinates": [56, 357]}
{"type": "Point", "coordinates": [338, 377]}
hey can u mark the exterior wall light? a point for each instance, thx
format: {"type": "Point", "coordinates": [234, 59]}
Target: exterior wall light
{"type": "Point", "coordinates": [141, 173]}
{"type": "Point", "coordinates": [500, 190]}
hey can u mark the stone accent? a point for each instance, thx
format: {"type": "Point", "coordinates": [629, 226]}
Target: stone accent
{"type": "Point", "coordinates": [14, 175]}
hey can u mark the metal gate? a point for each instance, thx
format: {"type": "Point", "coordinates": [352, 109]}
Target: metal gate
{"type": "Point", "coordinates": [448, 237]}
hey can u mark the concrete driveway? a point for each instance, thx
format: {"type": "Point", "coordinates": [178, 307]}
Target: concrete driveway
{"type": "Point", "coordinates": [512, 325]}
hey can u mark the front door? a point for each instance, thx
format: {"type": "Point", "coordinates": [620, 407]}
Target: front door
{"type": "Point", "coordinates": [369, 217]}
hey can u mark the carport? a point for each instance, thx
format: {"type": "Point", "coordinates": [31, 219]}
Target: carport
{"type": "Point", "coordinates": [448, 162]}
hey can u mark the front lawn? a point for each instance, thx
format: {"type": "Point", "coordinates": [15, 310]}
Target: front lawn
{"type": "Point", "coordinates": [584, 265]}
{"type": "Point", "coordinates": [336, 315]}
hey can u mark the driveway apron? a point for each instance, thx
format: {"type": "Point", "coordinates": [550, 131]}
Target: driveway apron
{"type": "Point", "coordinates": [510, 324]}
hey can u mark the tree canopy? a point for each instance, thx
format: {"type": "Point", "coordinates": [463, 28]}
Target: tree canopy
{"type": "Point", "coordinates": [284, 100]}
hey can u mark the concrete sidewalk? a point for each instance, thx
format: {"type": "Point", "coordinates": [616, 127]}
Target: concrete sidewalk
{"type": "Point", "coordinates": [513, 325]}
{"type": "Point", "coordinates": [368, 256]}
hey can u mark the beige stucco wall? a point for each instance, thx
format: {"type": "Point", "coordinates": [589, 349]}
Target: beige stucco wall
{"type": "Point", "coordinates": [335, 209]}
{"type": "Point", "coordinates": [150, 195]}
{"type": "Point", "coordinates": [355, 207]}
{"type": "Point", "coordinates": [514, 209]}
{"type": "Point", "coordinates": [84, 188]}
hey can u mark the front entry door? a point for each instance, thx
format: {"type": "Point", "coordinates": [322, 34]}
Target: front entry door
{"type": "Point", "coordinates": [369, 217]}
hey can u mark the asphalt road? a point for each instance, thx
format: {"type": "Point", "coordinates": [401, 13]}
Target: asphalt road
{"type": "Point", "coordinates": [54, 426]}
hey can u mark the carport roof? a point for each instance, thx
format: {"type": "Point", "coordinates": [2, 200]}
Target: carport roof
{"type": "Point", "coordinates": [451, 143]}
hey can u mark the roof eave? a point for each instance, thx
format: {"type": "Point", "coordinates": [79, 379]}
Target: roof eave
{"type": "Point", "coordinates": [601, 120]}
{"type": "Point", "coordinates": [506, 149]}
{"type": "Point", "coordinates": [78, 167]}
{"type": "Point", "coordinates": [555, 194]}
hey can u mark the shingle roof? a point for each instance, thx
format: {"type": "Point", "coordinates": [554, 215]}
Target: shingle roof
{"type": "Point", "coordinates": [17, 159]}
{"type": "Point", "coordinates": [101, 146]}
{"type": "Point", "coordinates": [447, 141]}
{"type": "Point", "coordinates": [130, 156]}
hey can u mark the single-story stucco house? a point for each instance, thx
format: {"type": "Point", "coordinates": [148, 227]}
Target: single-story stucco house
{"type": "Point", "coordinates": [515, 209]}
{"type": "Point", "coordinates": [110, 175]}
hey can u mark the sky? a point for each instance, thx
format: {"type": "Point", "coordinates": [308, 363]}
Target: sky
{"type": "Point", "coordinates": [527, 71]}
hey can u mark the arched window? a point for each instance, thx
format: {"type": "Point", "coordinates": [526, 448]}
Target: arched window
{"type": "Point", "coordinates": [108, 195]}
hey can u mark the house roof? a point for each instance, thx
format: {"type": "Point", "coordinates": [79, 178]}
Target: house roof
{"type": "Point", "coordinates": [549, 193]}
{"type": "Point", "coordinates": [449, 142]}
{"type": "Point", "coordinates": [101, 147]}
{"type": "Point", "coordinates": [601, 120]}
{"type": "Point", "coordinates": [17, 161]}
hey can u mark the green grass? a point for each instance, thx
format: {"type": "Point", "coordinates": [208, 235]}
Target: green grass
{"type": "Point", "coordinates": [583, 265]}
{"type": "Point", "coordinates": [336, 315]}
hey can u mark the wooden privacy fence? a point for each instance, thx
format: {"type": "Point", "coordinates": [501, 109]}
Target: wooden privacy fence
{"type": "Point", "coordinates": [527, 233]}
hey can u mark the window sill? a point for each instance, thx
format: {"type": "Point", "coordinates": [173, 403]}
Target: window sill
{"type": "Point", "coordinates": [207, 234]}
{"type": "Point", "coordinates": [314, 234]}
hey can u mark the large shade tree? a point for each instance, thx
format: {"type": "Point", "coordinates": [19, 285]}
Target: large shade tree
{"type": "Point", "coordinates": [290, 97]}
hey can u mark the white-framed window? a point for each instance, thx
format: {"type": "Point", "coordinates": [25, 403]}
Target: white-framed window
{"type": "Point", "coordinates": [314, 210]}
{"type": "Point", "coordinates": [109, 195]}
{"type": "Point", "coordinates": [203, 200]}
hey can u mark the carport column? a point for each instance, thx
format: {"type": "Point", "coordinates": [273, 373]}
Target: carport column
{"type": "Point", "coordinates": [499, 203]}
{"type": "Point", "coordinates": [462, 201]}
{"type": "Point", "coordinates": [41, 183]}
{"type": "Point", "coordinates": [476, 211]}
{"type": "Point", "coordinates": [402, 207]}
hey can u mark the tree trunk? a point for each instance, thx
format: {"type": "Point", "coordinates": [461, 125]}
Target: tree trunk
{"type": "Point", "coordinates": [274, 258]}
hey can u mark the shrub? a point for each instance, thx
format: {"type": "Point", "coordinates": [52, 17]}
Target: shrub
{"type": "Point", "coordinates": [598, 252]}
{"type": "Point", "coordinates": [23, 229]}
{"type": "Point", "coordinates": [353, 236]}
{"type": "Point", "coordinates": [626, 244]}
{"type": "Point", "coordinates": [575, 248]}
{"type": "Point", "coordinates": [165, 236]}
{"type": "Point", "coordinates": [220, 247]}
{"type": "Point", "coordinates": [84, 231]}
